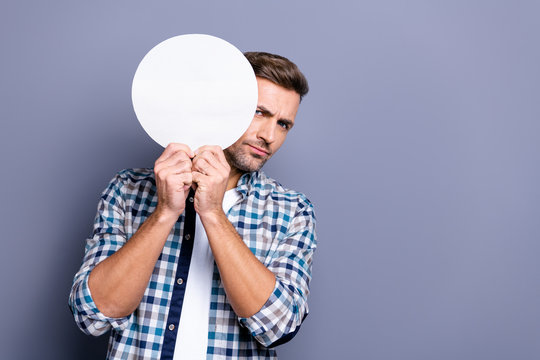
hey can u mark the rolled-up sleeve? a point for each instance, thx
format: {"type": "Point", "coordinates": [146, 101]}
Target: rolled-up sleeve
{"type": "Point", "coordinates": [108, 237]}
{"type": "Point", "coordinates": [282, 314]}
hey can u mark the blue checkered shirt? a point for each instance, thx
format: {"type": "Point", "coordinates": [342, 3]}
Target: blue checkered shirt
{"type": "Point", "coordinates": [277, 224]}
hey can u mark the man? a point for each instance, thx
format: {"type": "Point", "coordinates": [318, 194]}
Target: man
{"type": "Point", "coordinates": [204, 257]}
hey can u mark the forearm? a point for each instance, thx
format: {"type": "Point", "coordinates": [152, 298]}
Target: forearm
{"type": "Point", "coordinates": [118, 283]}
{"type": "Point", "coordinates": [247, 282]}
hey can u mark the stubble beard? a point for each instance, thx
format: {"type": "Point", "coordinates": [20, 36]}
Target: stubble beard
{"type": "Point", "coordinates": [239, 158]}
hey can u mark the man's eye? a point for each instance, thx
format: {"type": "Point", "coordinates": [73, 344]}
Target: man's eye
{"type": "Point", "coordinates": [283, 125]}
{"type": "Point", "coordinates": [258, 112]}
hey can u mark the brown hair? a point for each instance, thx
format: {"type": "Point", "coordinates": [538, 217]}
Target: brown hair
{"type": "Point", "coordinates": [279, 70]}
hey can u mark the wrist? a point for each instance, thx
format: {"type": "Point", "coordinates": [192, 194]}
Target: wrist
{"type": "Point", "coordinates": [164, 216]}
{"type": "Point", "coordinates": [213, 216]}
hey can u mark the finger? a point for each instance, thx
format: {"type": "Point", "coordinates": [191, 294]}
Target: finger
{"type": "Point", "coordinates": [178, 182]}
{"type": "Point", "coordinates": [200, 165]}
{"type": "Point", "coordinates": [198, 177]}
{"type": "Point", "coordinates": [211, 157]}
{"type": "Point", "coordinates": [177, 159]}
{"type": "Point", "coordinates": [185, 179]}
{"type": "Point", "coordinates": [217, 152]}
{"type": "Point", "coordinates": [201, 149]}
{"type": "Point", "coordinates": [173, 160]}
{"type": "Point", "coordinates": [163, 173]}
{"type": "Point", "coordinates": [206, 163]}
{"type": "Point", "coordinates": [169, 150]}
{"type": "Point", "coordinates": [173, 148]}
{"type": "Point", "coordinates": [220, 155]}
{"type": "Point", "coordinates": [175, 169]}
{"type": "Point", "coordinates": [214, 149]}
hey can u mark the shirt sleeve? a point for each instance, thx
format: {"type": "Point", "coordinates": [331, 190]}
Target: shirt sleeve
{"type": "Point", "coordinates": [280, 317]}
{"type": "Point", "coordinates": [108, 237]}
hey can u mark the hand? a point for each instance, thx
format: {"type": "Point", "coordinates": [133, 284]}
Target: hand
{"type": "Point", "coordinates": [173, 179]}
{"type": "Point", "coordinates": [211, 173]}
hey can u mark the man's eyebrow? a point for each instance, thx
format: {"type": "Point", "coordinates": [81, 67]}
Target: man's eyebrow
{"type": "Point", "coordinates": [267, 112]}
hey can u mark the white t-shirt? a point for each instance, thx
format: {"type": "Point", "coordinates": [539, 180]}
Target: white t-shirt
{"type": "Point", "coordinates": [192, 338]}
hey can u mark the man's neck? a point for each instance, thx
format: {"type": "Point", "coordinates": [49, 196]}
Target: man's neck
{"type": "Point", "coordinates": [234, 175]}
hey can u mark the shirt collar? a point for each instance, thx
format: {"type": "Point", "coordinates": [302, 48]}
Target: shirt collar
{"type": "Point", "coordinates": [247, 182]}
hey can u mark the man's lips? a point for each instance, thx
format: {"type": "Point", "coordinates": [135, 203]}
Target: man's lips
{"type": "Point", "coordinates": [258, 150]}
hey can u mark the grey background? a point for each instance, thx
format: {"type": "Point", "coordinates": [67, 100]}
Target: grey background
{"type": "Point", "coordinates": [418, 145]}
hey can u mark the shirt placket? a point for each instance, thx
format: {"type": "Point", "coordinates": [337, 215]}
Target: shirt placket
{"type": "Point", "coordinates": [179, 288]}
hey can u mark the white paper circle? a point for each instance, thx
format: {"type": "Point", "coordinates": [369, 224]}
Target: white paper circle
{"type": "Point", "coordinates": [195, 89]}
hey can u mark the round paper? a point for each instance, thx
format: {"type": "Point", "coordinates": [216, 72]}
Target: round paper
{"type": "Point", "coordinates": [195, 89]}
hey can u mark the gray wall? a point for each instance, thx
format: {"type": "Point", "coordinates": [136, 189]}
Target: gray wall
{"type": "Point", "coordinates": [418, 145]}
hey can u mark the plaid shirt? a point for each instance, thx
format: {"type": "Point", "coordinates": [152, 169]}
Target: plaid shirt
{"type": "Point", "coordinates": [277, 224]}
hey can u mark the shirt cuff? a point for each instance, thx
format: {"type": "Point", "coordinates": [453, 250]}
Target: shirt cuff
{"type": "Point", "coordinates": [278, 317]}
{"type": "Point", "coordinates": [101, 322]}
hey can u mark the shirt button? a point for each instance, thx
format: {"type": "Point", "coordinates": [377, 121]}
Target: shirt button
{"type": "Point", "coordinates": [171, 327]}
{"type": "Point", "coordinates": [187, 237]}
{"type": "Point", "coordinates": [191, 199]}
{"type": "Point", "coordinates": [180, 281]}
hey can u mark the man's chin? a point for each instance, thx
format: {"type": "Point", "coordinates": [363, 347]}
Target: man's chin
{"type": "Point", "coordinates": [253, 165]}
{"type": "Point", "coordinates": [245, 162]}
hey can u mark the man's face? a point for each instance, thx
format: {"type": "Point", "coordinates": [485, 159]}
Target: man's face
{"type": "Point", "coordinates": [274, 117]}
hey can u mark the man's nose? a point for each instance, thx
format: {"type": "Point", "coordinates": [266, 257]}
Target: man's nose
{"type": "Point", "coordinates": [267, 131]}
